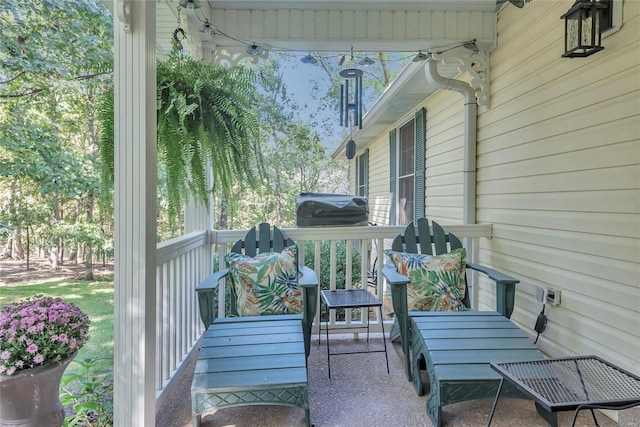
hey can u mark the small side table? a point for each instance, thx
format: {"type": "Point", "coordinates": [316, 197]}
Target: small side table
{"type": "Point", "coordinates": [572, 383]}
{"type": "Point", "coordinates": [352, 298]}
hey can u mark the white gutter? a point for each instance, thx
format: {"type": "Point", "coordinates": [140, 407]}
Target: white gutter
{"type": "Point", "coordinates": [470, 136]}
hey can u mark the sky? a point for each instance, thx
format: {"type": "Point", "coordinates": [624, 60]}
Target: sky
{"type": "Point", "coordinates": [300, 79]}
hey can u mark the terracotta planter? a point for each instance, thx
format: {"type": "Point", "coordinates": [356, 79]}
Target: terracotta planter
{"type": "Point", "coordinates": [31, 398]}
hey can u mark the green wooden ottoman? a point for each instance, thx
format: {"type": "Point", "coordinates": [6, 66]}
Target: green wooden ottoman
{"type": "Point", "coordinates": [456, 348]}
{"type": "Point", "coordinates": [250, 361]}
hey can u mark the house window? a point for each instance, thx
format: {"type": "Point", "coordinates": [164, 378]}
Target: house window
{"type": "Point", "coordinates": [611, 17]}
{"type": "Point", "coordinates": [362, 174]}
{"type": "Point", "coordinates": [407, 170]}
{"type": "Point", "coordinates": [607, 16]}
{"type": "Point", "coordinates": [406, 173]}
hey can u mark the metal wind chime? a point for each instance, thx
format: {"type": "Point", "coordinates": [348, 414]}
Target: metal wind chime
{"type": "Point", "coordinates": [351, 97]}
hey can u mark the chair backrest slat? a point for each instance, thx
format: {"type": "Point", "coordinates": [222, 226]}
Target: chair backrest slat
{"type": "Point", "coordinates": [454, 242]}
{"type": "Point", "coordinates": [279, 242]}
{"type": "Point", "coordinates": [424, 236]}
{"type": "Point", "coordinates": [410, 240]}
{"type": "Point", "coordinates": [439, 238]}
{"type": "Point", "coordinates": [264, 239]}
{"type": "Point", "coordinates": [250, 243]}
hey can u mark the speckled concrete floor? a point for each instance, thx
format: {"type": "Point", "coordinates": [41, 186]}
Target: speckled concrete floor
{"type": "Point", "coordinates": [360, 393]}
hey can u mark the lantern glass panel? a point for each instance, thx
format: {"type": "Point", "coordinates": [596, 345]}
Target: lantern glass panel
{"type": "Point", "coordinates": [573, 28]}
{"type": "Point", "coordinates": [587, 29]}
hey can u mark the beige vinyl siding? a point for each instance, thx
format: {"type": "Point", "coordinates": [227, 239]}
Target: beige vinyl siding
{"type": "Point", "coordinates": [352, 173]}
{"type": "Point", "coordinates": [559, 179]}
{"type": "Point", "coordinates": [558, 176]}
{"type": "Point", "coordinates": [443, 180]}
{"type": "Point", "coordinates": [444, 157]}
{"type": "Point", "coordinates": [379, 181]}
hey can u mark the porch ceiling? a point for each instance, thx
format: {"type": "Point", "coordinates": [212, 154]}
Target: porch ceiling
{"type": "Point", "coordinates": [335, 25]}
{"type": "Point", "coordinates": [329, 25]}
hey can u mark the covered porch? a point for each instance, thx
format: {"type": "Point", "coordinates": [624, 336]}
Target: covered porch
{"type": "Point", "coordinates": [157, 323]}
{"type": "Point", "coordinates": [360, 393]}
{"type": "Point", "coordinates": [157, 327]}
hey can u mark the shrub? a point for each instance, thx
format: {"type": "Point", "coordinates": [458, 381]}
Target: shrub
{"type": "Point", "coordinates": [89, 394]}
{"type": "Point", "coordinates": [324, 275]}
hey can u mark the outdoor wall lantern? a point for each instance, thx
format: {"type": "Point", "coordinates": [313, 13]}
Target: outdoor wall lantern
{"type": "Point", "coordinates": [351, 149]}
{"type": "Point", "coordinates": [351, 97]}
{"type": "Point", "coordinates": [582, 32]}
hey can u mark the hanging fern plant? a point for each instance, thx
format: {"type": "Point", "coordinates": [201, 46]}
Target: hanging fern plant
{"type": "Point", "coordinates": [205, 116]}
{"type": "Point", "coordinates": [107, 154]}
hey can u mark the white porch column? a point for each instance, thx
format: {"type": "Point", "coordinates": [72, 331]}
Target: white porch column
{"type": "Point", "coordinates": [196, 214]}
{"type": "Point", "coordinates": [135, 213]}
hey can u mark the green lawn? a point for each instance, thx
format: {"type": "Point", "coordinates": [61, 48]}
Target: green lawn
{"type": "Point", "coordinates": [95, 298]}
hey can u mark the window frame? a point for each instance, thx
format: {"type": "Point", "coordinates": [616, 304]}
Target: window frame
{"type": "Point", "coordinates": [404, 216]}
{"type": "Point", "coordinates": [362, 174]}
{"type": "Point", "coordinates": [614, 18]}
{"type": "Point", "coordinates": [419, 153]}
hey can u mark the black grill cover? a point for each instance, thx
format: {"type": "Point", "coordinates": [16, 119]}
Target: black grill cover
{"type": "Point", "coordinates": [331, 209]}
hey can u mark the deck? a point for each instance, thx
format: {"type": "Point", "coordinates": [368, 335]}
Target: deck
{"type": "Point", "coordinates": [359, 393]}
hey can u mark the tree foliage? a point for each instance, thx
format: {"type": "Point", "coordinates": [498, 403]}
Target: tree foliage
{"type": "Point", "coordinates": [45, 44]}
{"type": "Point", "coordinates": [56, 58]}
{"type": "Point", "coordinates": [294, 157]}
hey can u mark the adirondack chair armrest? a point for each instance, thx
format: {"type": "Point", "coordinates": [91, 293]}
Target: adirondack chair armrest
{"type": "Point", "coordinates": [505, 288]}
{"type": "Point", "coordinates": [207, 290]}
{"type": "Point", "coordinates": [308, 277]}
{"type": "Point", "coordinates": [398, 283]}
{"type": "Point", "coordinates": [393, 277]}
{"type": "Point", "coordinates": [308, 281]}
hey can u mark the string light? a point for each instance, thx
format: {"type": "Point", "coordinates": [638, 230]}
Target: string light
{"type": "Point", "coordinates": [252, 48]}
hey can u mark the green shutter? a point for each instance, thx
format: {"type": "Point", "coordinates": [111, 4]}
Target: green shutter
{"type": "Point", "coordinates": [393, 175]}
{"type": "Point", "coordinates": [365, 165]}
{"type": "Point", "coordinates": [420, 135]}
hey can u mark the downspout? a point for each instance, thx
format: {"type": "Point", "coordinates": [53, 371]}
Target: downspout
{"type": "Point", "coordinates": [470, 136]}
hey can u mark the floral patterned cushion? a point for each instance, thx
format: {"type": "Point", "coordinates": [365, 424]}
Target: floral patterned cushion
{"type": "Point", "coordinates": [266, 284]}
{"type": "Point", "coordinates": [437, 281]}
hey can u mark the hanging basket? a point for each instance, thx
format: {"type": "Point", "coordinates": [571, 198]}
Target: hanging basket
{"type": "Point", "coordinates": [31, 398]}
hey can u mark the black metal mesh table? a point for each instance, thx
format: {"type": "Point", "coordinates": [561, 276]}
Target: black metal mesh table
{"type": "Point", "coordinates": [352, 298]}
{"type": "Point", "coordinates": [572, 383]}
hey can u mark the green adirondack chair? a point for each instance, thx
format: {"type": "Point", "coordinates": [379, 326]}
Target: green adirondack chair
{"type": "Point", "coordinates": [259, 241]}
{"type": "Point", "coordinates": [418, 237]}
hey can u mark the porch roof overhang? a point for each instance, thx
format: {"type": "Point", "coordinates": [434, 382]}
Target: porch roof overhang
{"type": "Point", "coordinates": [334, 25]}
{"type": "Point", "coordinates": [403, 95]}
{"type": "Point", "coordinates": [327, 25]}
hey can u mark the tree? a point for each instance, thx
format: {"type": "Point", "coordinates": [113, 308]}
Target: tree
{"type": "Point", "coordinates": [47, 43]}
{"type": "Point", "coordinates": [56, 57]}
{"type": "Point", "coordinates": [375, 79]}
{"type": "Point", "coordinates": [295, 160]}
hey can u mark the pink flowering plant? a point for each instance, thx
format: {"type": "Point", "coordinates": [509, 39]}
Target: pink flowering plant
{"type": "Point", "coordinates": [40, 330]}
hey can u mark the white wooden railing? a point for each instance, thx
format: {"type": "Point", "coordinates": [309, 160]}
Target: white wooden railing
{"type": "Point", "coordinates": [182, 263]}
{"type": "Point", "coordinates": [185, 261]}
